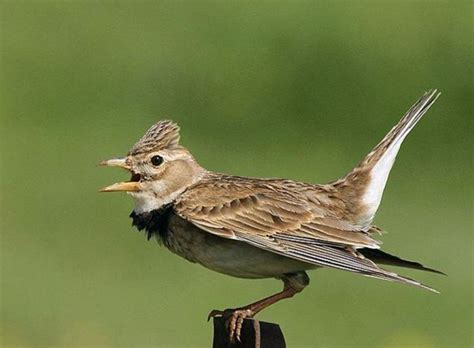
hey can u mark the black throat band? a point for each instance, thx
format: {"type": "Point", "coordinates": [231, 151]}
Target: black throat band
{"type": "Point", "coordinates": [154, 222]}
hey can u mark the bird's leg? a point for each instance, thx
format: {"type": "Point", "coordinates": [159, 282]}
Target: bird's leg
{"type": "Point", "coordinates": [293, 284]}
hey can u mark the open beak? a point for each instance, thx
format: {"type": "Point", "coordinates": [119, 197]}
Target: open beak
{"type": "Point", "coordinates": [127, 186]}
{"type": "Point", "coordinates": [116, 162]}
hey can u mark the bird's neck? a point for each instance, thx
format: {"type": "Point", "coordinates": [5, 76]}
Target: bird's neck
{"type": "Point", "coordinates": [157, 196]}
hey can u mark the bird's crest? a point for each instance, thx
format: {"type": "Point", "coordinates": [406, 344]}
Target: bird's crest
{"type": "Point", "coordinates": [162, 135]}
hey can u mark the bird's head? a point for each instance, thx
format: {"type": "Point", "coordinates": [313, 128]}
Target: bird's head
{"type": "Point", "coordinates": [160, 168]}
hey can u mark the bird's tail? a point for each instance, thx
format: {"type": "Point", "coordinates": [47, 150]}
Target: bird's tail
{"type": "Point", "coordinates": [381, 257]}
{"type": "Point", "coordinates": [364, 185]}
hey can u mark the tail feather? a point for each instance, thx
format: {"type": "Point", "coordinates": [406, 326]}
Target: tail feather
{"type": "Point", "coordinates": [367, 181]}
{"type": "Point", "coordinates": [381, 257]}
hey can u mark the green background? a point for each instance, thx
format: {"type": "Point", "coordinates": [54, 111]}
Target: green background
{"type": "Point", "coordinates": [299, 90]}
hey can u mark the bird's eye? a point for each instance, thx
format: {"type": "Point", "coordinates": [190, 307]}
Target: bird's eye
{"type": "Point", "coordinates": [156, 160]}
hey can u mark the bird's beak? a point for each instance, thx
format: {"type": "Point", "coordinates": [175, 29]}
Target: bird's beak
{"type": "Point", "coordinates": [116, 162]}
{"type": "Point", "coordinates": [126, 186]}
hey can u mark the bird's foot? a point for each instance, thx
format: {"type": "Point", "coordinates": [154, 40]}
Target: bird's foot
{"type": "Point", "coordinates": [234, 320]}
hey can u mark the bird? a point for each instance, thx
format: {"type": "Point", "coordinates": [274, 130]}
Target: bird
{"type": "Point", "coordinates": [257, 228]}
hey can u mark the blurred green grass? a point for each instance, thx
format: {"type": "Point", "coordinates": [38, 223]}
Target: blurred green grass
{"type": "Point", "coordinates": [300, 90]}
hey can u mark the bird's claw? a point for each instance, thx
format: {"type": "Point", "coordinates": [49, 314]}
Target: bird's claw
{"type": "Point", "coordinates": [234, 320]}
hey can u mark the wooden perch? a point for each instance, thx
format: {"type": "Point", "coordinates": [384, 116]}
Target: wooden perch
{"type": "Point", "coordinates": [254, 334]}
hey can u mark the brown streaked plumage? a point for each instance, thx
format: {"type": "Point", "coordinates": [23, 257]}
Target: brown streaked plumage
{"type": "Point", "coordinates": [263, 228]}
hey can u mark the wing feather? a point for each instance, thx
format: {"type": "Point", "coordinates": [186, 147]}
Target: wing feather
{"type": "Point", "coordinates": [267, 207]}
{"type": "Point", "coordinates": [330, 256]}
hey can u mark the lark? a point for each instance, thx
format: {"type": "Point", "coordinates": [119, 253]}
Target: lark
{"type": "Point", "coordinates": [263, 228]}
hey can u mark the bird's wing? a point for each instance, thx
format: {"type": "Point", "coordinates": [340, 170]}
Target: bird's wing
{"type": "Point", "coordinates": [241, 208]}
{"type": "Point", "coordinates": [277, 216]}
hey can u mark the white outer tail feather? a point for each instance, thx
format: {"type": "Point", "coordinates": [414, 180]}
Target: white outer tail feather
{"type": "Point", "coordinates": [387, 149]}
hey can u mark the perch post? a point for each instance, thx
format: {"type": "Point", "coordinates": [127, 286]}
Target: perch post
{"type": "Point", "coordinates": [254, 334]}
